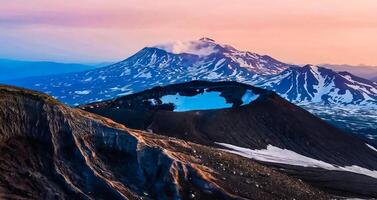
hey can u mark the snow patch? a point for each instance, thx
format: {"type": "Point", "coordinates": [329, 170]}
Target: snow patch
{"type": "Point", "coordinates": [124, 93]}
{"type": "Point", "coordinates": [248, 97]}
{"type": "Point", "coordinates": [87, 79]}
{"type": "Point", "coordinates": [371, 147]}
{"type": "Point", "coordinates": [83, 92]}
{"type": "Point", "coordinates": [146, 75]}
{"type": "Point", "coordinates": [220, 62]}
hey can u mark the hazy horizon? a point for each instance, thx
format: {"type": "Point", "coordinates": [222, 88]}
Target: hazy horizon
{"type": "Point", "coordinates": [292, 31]}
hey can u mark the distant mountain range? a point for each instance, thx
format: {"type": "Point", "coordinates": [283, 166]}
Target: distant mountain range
{"type": "Point", "coordinates": [365, 71]}
{"type": "Point", "coordinates": [16, 69]}
{"type": "Point", "coordinates": [205, 59]}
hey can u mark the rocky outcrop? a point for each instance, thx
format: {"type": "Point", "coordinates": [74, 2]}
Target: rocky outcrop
{"type": "Point", "coordinates": [51, 151]}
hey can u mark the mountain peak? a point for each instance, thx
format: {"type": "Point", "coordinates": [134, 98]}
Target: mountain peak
{"type": "Point", "coordinates": [309, 66]}
{"type": "Point", "coordinates": [316, 84]}
{"type": "Point", "coordinates": [206, 39]}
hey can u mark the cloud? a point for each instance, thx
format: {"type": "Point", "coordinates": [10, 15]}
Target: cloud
{"type": "Point", "coordinates": [199, 48]}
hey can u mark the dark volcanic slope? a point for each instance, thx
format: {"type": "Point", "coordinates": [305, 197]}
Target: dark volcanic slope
{"type": "Point", "coordinates": [50, 151]}
{"type": "Point", "coordinates": [269, 120]}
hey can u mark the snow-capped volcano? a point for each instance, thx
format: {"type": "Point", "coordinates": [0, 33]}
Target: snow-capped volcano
{"type": "Point", "coordinates": [204, 47]}
{"type": "Point", "coordinates": [313, 84]}
{"type": "Point", "coordinates": [177, 62]}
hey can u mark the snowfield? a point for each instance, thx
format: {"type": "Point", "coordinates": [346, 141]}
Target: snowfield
{"type": "Point", "coordinates": [284, 156]}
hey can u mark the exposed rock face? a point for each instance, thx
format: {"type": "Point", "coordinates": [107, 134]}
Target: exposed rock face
{"type": "Point", "coordinates": [269, 120]}
{"type": "Point", "coordinates": [50, 151]}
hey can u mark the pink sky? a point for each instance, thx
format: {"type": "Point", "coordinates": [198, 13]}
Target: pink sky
{"type": "Point", "coordinates": [296, 31]}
